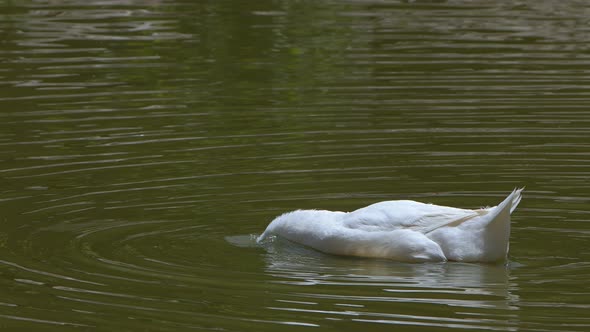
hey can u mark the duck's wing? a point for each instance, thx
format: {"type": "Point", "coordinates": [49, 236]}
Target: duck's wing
{"type": "Point", "coordinates": [430, 222]}
{"type": "Point", "coordinates": [420, 217]}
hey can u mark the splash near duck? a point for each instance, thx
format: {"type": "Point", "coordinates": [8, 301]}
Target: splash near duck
{"type": "Point", "coordinates": [403, 230]}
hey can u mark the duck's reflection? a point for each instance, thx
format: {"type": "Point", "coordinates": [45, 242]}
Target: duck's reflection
{"type": "Point", "coordinates": [453, 284]}
{"type": "Point", "coordinates": [323, 287]}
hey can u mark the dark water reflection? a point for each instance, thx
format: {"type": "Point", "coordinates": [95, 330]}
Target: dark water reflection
{"type": "Point", "coordinates": [136, 136]}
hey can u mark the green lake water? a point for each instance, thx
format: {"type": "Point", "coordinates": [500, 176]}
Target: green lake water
{"type": "Point", "coordinates": [143, 145]}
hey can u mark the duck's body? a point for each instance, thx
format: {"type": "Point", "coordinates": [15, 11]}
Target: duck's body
{"type": "Point", "coordinates": [403, 231]}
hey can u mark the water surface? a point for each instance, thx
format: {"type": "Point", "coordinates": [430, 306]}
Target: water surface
{"type": "Point", "coordinates": [139, 140]}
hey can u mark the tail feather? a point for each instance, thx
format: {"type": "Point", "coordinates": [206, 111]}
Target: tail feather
{"type": "Point", "coordinates": [497, 233]}
{"type": "Point", "coordinates": [508, 204]}
{"type": "Point", "coordinates": [516, 199]}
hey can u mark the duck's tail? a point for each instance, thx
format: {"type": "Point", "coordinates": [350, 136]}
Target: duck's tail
{"type": "Point", "coordinates": [505, 209]}
{"type": "Point", "coordinates": [498, 226]}
{"type": "Point", "coordinates": [516, 197]}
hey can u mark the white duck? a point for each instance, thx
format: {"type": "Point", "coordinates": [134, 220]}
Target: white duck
{"type": "Point", "coordinates": [404, 231]}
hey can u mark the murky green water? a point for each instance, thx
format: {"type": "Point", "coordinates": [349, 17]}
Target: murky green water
{"type": "Point", "coordinates": [143, 142]}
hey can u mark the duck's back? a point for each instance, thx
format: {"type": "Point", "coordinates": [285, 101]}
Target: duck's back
{"type": "Point", "coordinates": [403, 214]}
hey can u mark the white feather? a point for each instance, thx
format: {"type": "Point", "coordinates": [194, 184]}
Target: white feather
{"type": "Point", "coordinates": [404, 231]}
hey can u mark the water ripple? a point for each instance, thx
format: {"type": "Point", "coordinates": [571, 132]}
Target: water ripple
{"type": "Point", "coordinates": [144, 144]}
